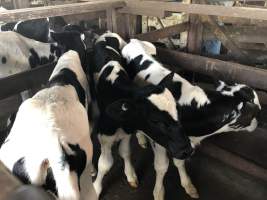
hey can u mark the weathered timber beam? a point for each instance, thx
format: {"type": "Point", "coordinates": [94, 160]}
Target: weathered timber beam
{"type": "Point", "coordinates": [227, 71]}
{"type": "Point", "coordinates": [155, 8]}
{"type": "Point", "coordinates": [17, 83]}
{"type": "Point", "coordinates": [71, 19]}
{"type": "Point", "coordinates": [234, 161]}
{"type": "Point", "coordinates": [9, 105]}
{"type": "Point", "coordinates": [223, 35]}
{"type": "Point", "coordinates": [59, 10]}
{"type": "Point", "coordinates": [145, 11]}
{"type": "Point", "coordinates": [153, 36]}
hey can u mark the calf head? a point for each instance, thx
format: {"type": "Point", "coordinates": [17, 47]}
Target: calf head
{"type": "Point", "coordinates": [249, 108]}
{"type": "Point", "coordinates": [153, 110]}
{"type": "Point", "coordinates": [137, 47]}
{"type": "Point", "coordinates": [70, 40]}
{"type": "Point", "coordinates": [241, 91]}
{"type": "Point", "coordinates": [112, 40]}
{"type": "Point", "coordinates": [106, 48]}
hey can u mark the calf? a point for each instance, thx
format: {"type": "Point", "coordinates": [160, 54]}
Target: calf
{"type": "Point", "coordinates": [36, 29]}
{"type": "Point", "coordinates": [49, 144]}
{"type": "Point", "coordinates": [126, 108]}
{"type": "Point", "coordinates": [201, 113]}
{"type": "Point", "coordinates": [18, 53]}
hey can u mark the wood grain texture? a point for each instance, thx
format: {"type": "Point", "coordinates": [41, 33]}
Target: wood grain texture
{"type": "Point", "coordinates": [17, 83]}
{"type": "Point", "coordinates": [59, 10]}
{"type": "Point", "coordinates": [155, 8]}
{"type": "Point", "coordinates": [163, 33]}
{"type": "Point", "coordinates": [228, 71]}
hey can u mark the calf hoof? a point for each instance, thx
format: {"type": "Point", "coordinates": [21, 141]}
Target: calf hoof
{"type": "Point", "coordinates": [192, 191]}
{"type": "Point", "coordinates": [134, 184]}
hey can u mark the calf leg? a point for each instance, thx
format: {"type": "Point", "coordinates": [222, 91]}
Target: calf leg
{"type": "Point", "coordinates": [161, 164]}
{"type": "Point", "coordinates": [36, 170]}
{"type": "Point", "coordinates": [124, 151]}
{"type": "Point", "coordinates": [105, 161]}
{"type": "Point", "coordinates": [185, 179]}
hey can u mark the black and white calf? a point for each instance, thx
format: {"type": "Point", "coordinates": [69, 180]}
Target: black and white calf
{"type": "Point", "coordinates": [18, 53]}
{"type": "Point", "coordinates": [126, 108]}
{"type": "Point", "coordinates": [201, 113]}
{"type": "Point", "coordinates": [49, 144]}
{"type": "Point", "coordinates": [36, 29]}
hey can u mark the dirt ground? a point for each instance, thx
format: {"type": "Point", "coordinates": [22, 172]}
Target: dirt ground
{"type": "Point", "coordinates": [213, 179]}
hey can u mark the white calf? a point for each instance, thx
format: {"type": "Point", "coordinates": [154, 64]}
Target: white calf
{"type": "Point", "coordinates": [49, 144]}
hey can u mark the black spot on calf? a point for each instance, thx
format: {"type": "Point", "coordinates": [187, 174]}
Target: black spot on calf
{"type": "Point", "coordinates": [68, 77]}
{"type": "Point", "coordinates": [76, 161]}
{"type": "Point", "coordinates": [50, 183]}
{"type": "Point", "coordinates": [20, 171]}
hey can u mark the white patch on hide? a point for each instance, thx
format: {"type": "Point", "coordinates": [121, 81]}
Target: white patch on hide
{"type": "Point", "coordinates": [165, 102]}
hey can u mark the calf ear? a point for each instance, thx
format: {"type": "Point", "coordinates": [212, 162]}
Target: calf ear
{"type": "Point", "coordinates": [120, 110]}
{"type": "Point", "coordinates": [167, 80]}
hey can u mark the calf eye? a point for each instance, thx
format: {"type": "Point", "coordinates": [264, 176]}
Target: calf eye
{"type": "Point", "coordinates": [124, 107]}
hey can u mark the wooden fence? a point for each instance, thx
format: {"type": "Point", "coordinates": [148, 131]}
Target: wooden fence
{"type": "Point", "coordinates": [120, 16]}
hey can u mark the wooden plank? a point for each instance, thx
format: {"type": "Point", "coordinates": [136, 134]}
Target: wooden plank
{"type": "Point", "coordinates": [71, 19]}
{"type": "Point", "coordinates": [153, 36]}
{"type": "Point", "coordinates": [9, 105]}
{"type": "Point", "coordinates": [60, 10]}
{"type": "Point", "coordinates": [252, 46]}
{"type": "Point", "coordinates": [242, 21]}
{"type": "Point", "coordinates": [111, 20]}
{"type": "Point", "coordinates": [19, 82]}
{"type": "Point", "coordinates": [155, 8]}
{"type": "Point", "coordinates": [222, 34]}
{"type": "Point", "coordinates": [21, 4]}
{"type": "Point", "coordinates": [228, 71]}
{"type": "Point", "coordinates": [140, 10]}
{"type": "Point", "coordinates": [194, 40]}
{"type": "Point", "coordinates": [234, 161]}
{"type": "Point", "coordinates": [249, 34]}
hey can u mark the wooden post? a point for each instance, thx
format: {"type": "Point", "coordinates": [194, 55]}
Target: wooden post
{"type": "Point", "coordinates": [194, 40]}
{"type": "Point", "coordinates": [153, 36]}
{"type": "Point", "coordinates": [111, 20]}
{"type": "Point", "coordinates": [21, 4]}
